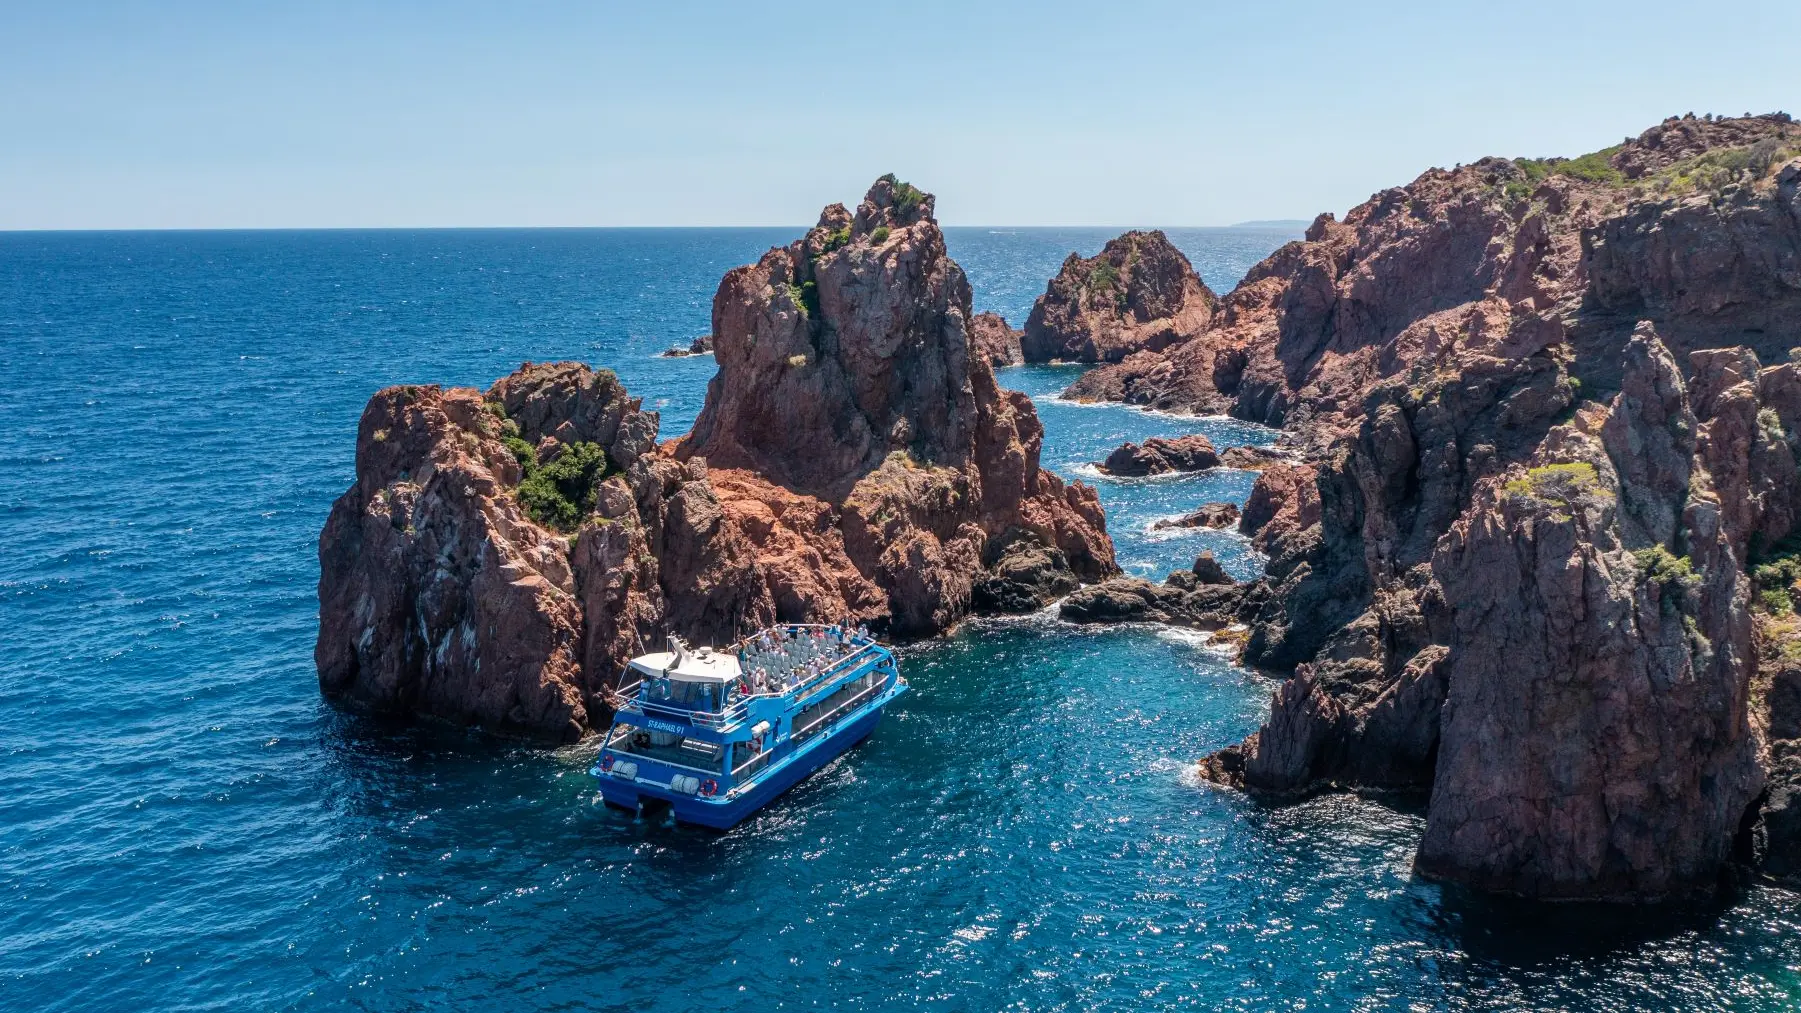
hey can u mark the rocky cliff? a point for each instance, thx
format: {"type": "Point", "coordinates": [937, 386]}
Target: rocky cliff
{"type": "Point", "coordinates": [1691, 225]}
{"type": "Point", "coordinates": [502, 555]}
{"type": "Point", "coordinates": [1138, 293]}
{"type": "Point", "coordinates": [991, 336]}
{"type": "Point", "coordinates": [848, 387]}
{"type": "Point", "coordinates": [1545, 414]}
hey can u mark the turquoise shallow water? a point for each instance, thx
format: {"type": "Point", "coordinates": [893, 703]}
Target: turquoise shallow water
{"type": "Point", "coordinates": [184, 826]}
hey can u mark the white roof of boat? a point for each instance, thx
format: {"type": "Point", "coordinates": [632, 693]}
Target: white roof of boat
{"type": "Point", "coordinates": [702, 665]}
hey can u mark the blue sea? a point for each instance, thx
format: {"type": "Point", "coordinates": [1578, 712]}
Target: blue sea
{"type": "Point", "coordinates": [184, 825]}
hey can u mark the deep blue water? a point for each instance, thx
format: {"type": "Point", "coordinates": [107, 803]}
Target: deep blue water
{"type": "Point", "coordinates": [184, 825]}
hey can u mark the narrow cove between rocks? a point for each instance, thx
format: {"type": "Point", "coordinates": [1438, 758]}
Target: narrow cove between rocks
{"type": "Point", "coordinates": [184, 816]}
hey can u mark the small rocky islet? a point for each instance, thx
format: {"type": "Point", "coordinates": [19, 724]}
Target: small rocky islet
{"type": "Point", "coordinates": [1530, 524]}
{"type": "Point", "coordinates": [502, 555]}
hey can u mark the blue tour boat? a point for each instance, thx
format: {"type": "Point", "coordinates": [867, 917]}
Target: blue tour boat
{"type": "Point", "coordinates": [717, 734]}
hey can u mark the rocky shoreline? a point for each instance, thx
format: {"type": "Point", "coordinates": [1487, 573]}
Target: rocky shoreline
{"type": "Point", "coordinates": [1548, 443]}
{"type": "Point", "coordinates": [1532, 535]}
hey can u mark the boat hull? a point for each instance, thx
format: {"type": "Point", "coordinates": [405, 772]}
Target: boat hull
{"type": "Point", "coordinates": [727, 812]}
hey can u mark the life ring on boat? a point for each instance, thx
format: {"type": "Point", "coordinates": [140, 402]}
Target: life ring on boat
{"type": "Point", "coordinates": [709, 787]}
{"type": "Point", "coordinates": [606, 762]}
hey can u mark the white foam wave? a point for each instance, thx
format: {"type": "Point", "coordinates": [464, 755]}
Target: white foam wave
{"type": "Point", "coordinates": [1184, 635]}
{"type": "Point", "coordinates": [1089, 470]}
{"type": "Point", "coordinates": [1161, 413]}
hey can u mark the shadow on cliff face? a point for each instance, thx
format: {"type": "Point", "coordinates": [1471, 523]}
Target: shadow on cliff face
{"type": "Point", "coordinates": [378, 764]}
{"type": "Point", "coordinates": [1523, 934]}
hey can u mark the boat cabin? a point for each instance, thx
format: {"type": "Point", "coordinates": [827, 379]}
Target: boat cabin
{"type": "Point", "coordinates": [696, 680]}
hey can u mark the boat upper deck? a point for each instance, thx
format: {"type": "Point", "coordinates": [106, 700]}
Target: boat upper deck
{"type": "Point", "coordinates": [715, 688]}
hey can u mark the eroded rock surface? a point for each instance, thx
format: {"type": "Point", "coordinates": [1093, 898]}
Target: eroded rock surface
{"type": "Point", "coordinates": [1545, 421]}
{"type": "Point", "coordinates": [1253, 458]}
{"type": "Point", "coordinates": [846, 378]}
{"type": "Point", "coordinates": [990, 335]}
{"type": "Point", "coordinates": [438, 594]}
{"type": "Point", "coordinates": [1139, 293]}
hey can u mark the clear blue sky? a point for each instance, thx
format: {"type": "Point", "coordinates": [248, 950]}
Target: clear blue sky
{"type": "Point", "coordinates": [663, 112]}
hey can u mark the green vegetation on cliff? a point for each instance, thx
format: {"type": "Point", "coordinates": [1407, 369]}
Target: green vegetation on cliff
{"type": "Point", "coordinates": [1557, 483]}
{"type": "Point", "coordinates": [1662, 568]}
{"type": "Point", "coordinates": [1594, 167]}
{"type": "Point", "coordinates": [1774, 580]}
{"type": "Point", "coordinates": [1714, 170]}
{"type": "Point", "coordinates": [559, 494]}
{"type": "Point", "coordinates": [907, 197]}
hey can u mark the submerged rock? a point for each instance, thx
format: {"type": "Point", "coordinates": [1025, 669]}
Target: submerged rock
{"type": "Point", "coordinates": [1161, 455]}
{"type": "Point", "coordinates": [502, 556]}
{"type": "Point", "coordinates": [1253, 458]}
{"type": "Point", "coordinates": [1203, 597]}
{"type": "Point", "coordinates": [1138, 293]}
{"type": "Point", "coordinates": [699, 346]}
{"type": "Point", "coordinates": [1207, 515]}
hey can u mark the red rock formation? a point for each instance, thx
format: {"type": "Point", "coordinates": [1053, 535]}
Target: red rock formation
{"type": "Point", "coordinates": [1283, 507]}
{"type": "Point", "coordinates": [699, 346]}
{"type": "Point", "coordinates": [1162, 455]}
{"type": "Point", "coordinates": [1512, 565]}
{"type": "Point", "coordinates": [437, 595]}
{"type": "Point", "coordinates": [846, 380]}
{"type": "Point", "coordinates": [991, 337]}
{"type": "Point", "coordinates": [866, 467]}
{"type": "Point", "coordinates": [1596, 738]}
{"type": "Point", "coordinates": [1138, 293]}
{"type": "Point", "coordinates": [1507, 257]}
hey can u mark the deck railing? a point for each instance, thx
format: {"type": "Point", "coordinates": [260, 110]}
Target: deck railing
{"type": "Point", "coordinates": [857, 700]}
{"type": "Point", "coordinates": [632, 693]}
{"type": "Point", "coordinates": [751, 766]}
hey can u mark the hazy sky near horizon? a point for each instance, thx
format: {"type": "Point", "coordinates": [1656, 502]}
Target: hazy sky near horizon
{"type": "Point", "coordinates": [203, 115]}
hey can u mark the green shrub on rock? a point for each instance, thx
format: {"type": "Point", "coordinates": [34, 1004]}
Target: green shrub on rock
{"type": "Point", "coordinates": [1557, 483]}
{"type": "Point", "coordinates": [907, 197]}
{"type": "Point", "coordinates": [559, 494]}
{"type": "Point", "coordinates": [1775, 580]}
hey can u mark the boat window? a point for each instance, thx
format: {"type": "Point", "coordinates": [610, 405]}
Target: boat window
{"type": "Point", "coordinates": [667, 747]}
{"type": "Point", "coordinates": [703, 696]}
